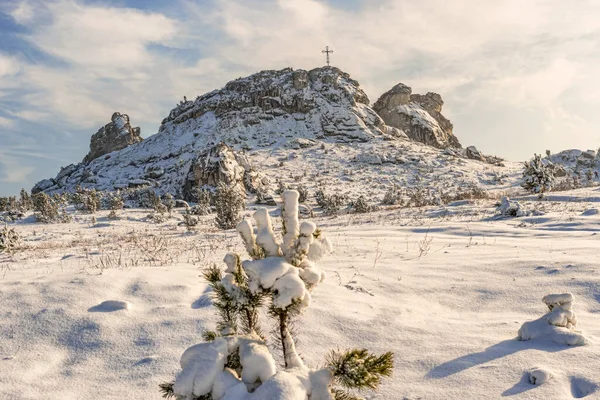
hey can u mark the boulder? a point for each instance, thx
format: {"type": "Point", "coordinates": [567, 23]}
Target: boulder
{"type": "Point", "coordinates": [114, 136]}
{"type": "Point", "coordinates": [418, 116]}
{"type": "Point", "coordinates": [474, 154]}
{"type": "Point", "coordinates": [221, 164]}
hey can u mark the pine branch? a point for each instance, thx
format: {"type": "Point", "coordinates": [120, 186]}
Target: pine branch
{"type": "Point", "coordinates": [167, 390]}
{"type": "Point", "coordinates": [339, 394]}
{"type": "Point", "coordinates": [209, 336]}
{"type": "Point", "coordinates": [359, 369]}
{"type": "Point", "coordinates": [212, 274]}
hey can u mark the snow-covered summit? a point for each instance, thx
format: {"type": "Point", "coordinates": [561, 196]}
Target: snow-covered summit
{"type": "Point", "coordinates": [275, 117]}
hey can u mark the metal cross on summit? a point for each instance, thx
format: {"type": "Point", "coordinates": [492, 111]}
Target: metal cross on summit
{"type": "Point", "coordinates": [327, 51]}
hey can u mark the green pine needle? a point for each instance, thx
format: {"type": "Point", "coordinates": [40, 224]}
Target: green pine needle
{"type": "Point", "coordinates": [339, 394]}
{"type": "Point", "coordinates": [359, 369]}
{"type": "Point", "coordinates": [213, 274]}
{"type": "Point", "coordinates": [167, 390]}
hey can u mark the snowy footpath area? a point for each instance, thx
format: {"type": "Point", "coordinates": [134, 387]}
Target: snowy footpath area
{"type": "Point", "coordinates": [105, 311]}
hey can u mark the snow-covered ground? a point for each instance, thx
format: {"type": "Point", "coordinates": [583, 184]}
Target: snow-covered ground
{"type": "Point", "coordinates": [105, 311]}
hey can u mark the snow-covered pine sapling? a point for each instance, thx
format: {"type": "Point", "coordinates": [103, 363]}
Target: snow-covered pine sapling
{"type": "Point", "coordinates": [538, 175]}
{"type": "Point", "coordinates": [234, 363]}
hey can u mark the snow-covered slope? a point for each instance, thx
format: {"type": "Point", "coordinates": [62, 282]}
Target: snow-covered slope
{"type": "Point", "coordinates": [319, 118]}
{"type": "Point", "coordinates": [105, 311]}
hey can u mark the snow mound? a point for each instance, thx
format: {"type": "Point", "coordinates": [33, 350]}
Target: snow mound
{"type": "Point", "coordinates": [539, 376]}
{"type": "Point", "coordinates": [558, 325]}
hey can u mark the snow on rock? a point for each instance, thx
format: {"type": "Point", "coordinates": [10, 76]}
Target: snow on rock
{"type": "Point", "coordinates": [418, 116]}
{"type": "Point", "coordinates": [539, 376]}
{"type": "Point", "coordinates": [558, 325]}
{"type": "Point", "coordinates": [114, 136]}
{"type": "Point", "coordinates": [201, 364]}
{"type": "Point", "coordinates": [266, 109]}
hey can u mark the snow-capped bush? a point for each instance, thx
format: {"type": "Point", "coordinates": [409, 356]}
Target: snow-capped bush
{"type": "Point", "coordinates": [229, 203]}
{"type": "Point", "coordinates": [538, 175]}
{"type": "Point", "coordinates": [87, 200]}
{"type": "Point", "coordinates": [235, 363]}
{"type": "Point", "coordinates": [168, 201]}
{"type": "Point", "coordinates": [510, 208]}
{"type": "Point", "coordinates": [393, 196]}
{"type": "Point", "coordinates": [361, 206]}
{"type": "Point", "coordinates": [46, 210]}
{"type": "Point", "coordinates": [203, 206]}
{"type": "Point", "coordinates": [330, 204]}
{"type": "Point", "coordinates": [303, 192]}
{"type": "Point", "coordinates": [558, 325]}
{"type": "Point", "coordinates": [9, 240]}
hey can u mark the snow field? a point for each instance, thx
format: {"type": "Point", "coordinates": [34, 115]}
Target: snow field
{"type": "Point", "coordinates": [451, 313]}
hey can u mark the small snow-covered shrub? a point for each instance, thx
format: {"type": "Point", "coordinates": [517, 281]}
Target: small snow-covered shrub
{"type": "Point", "coordinates": [538, 175]}
{"type": "Point", "coordinates": [303, 192]}
{"type": "Point", "coordinates": [46, 210]}
{"type": "Point", "coordinates": [510, 208]}
{"type": "Point", "coordinates": [25, 202]}
{"type": "Point", "coordinates": [87, 200]}
{"type": "Point", "coordinates": [229, 204]}
{"type": "Point", "coordinates": [330, 204]}
{"type": "Point", "coordinates": [190, 220]}
{"type": "Point", "coordinates": [361, 206]}
{"type": "Point", "coordinates": [420, 197]}
{"type": "Point", "coordinates": [9, 240]}
{"type": "Point", "coordinates": [393, 196]}
{"type": "Point", "coordinates": [234, 362]}
{"type": "Point", "coordinates": [558, 325]}
{"type": "Point", "coordinates": [203, 206]}
{"type": "Point", "coordinates": [169, 202]}
{"type": "Point", "coordinates": [114, 201]}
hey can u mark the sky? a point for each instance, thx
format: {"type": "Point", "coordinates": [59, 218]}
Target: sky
{"type": "Point", "coordinates": [517, 77]}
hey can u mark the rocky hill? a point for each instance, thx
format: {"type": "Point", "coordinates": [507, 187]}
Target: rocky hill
{"type": "Point", "coordinates": [293, 117]}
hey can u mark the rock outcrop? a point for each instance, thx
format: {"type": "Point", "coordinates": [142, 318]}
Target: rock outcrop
{"type": "Point", "coordinates": [114, 136]}
{"type": "Point", "coordinates": [270, 109]}
{"type": "Point", "coordinates": [221, 164]}
{"type": "Point", "coordinates": [418, 116]}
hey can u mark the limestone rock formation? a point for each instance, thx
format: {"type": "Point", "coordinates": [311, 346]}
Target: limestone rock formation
{"type": "Point", "coordinates": [221, 164]}
{"type": "Point", "coordinates": [419, 116]}
{"type": "Point", "coordinates": [115, 135]}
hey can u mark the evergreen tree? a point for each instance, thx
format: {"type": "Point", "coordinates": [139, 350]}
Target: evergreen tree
{"type": "Point", "coordinates": [235, 362]}
{"type": "Point", "coordinates": [229, 203]}
{"type": "Point", "coordinates": [538, 175]}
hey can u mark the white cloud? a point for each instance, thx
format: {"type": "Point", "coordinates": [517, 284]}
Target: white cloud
{"type": "Point", "coordinates": [538, 56]}
{"type": "Point", "coordinates": [8, 66]}
{"type": "Point", "coordinates": [5, 122]}
{"type": "Point", "coordinates": [13, 169]}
